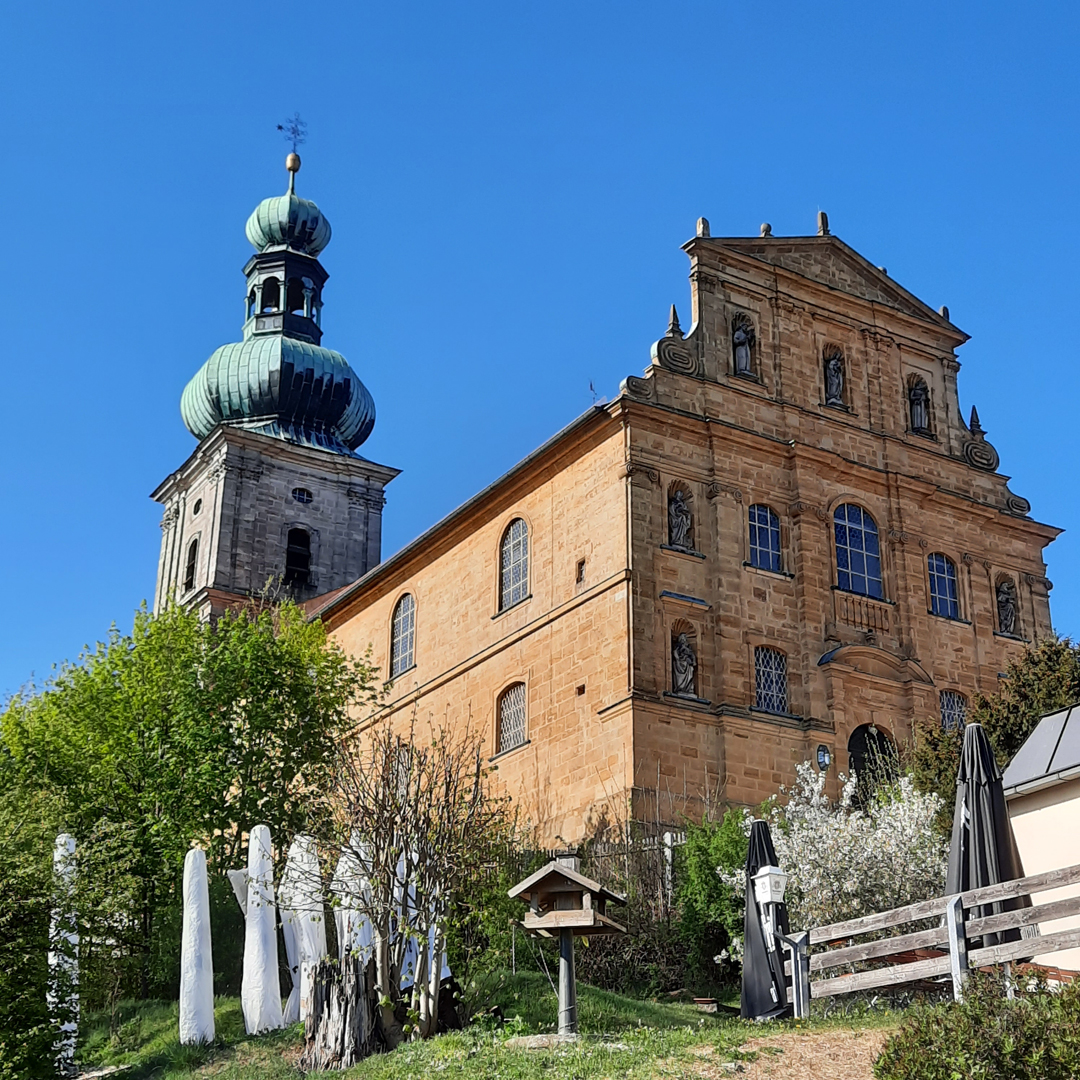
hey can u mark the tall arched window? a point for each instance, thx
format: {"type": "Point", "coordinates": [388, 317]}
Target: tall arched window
{"type": "Point", "coordinates": [294, 296]}
{"type": "Point", "coordinates": [764, 538]}
{"type": "Point", "coordinates": [943, 599]}
{"type": "Point", "coordinates": [953, 709]}
{"type": "Point", "coordinates": [514, 564]}
{"type": "Point", "coordinates": [298, 558]}
{"type": "Point", "coordinates": [192, 563]}
{"type": "Point", "coordinates": [770, 680]}
{"type": "Point", "coordinates": [511, 717]}
{"type": "Point", "coordinates": [858, 553]}
{"type": "Point", "coordinates": [402, 635]}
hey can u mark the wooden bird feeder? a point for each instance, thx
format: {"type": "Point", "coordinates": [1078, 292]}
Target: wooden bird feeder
{"type": "Point", "coordinates": [562, 903]}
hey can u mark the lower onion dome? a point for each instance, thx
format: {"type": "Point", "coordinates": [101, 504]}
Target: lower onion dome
{"type": "Point", "coordinates": [284, 388]}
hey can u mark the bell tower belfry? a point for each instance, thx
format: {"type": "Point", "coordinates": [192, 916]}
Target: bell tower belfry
{"type": "Point", "coordinates": [275, 496]}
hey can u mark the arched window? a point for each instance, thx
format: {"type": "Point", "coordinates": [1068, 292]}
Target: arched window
{"type": "Point", "coordinates": [764, 538]}
{"type": "Point", "coordinates": [953, 709]}
{"type": "Point", "coordinates": [858, 554]}
{"type": "Point", "coordinates": [770, 680]}
{"type": "Point", "coordinates": [298, 558]}
{"type": "Point", "coordinates": [271, 294]}
{"type": "Point", "coordinates": [943, 599]}
{"type": "Point", "coordinates": [251, 303]}
{"type": "Point", "coordinates": [514, 564]}
{"type": "Point", "coordinates": [919, 405]}
{"type": "Point", "coordinates": [402, 636]}
{"type": "Point", "coordinates": [511, 717]}
{"type": "Point", "coordinates": [192, 562]}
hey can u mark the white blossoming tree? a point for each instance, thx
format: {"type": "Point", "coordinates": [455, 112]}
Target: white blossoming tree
{"type": "Point", "coordinates": [844, 862]}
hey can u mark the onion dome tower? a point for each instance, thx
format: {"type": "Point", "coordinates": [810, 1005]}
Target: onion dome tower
{"type": "Point", "coordinates": [275, 496]}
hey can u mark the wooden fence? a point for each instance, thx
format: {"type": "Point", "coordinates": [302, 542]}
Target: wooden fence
{"type": "Point", "coordinates": [959, 919]}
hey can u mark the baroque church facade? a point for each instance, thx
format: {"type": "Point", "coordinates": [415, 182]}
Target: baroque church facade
{"type": "Point", "coordinates": [782, 543]}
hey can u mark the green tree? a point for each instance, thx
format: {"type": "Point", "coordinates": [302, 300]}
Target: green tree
{"type": "Point", "coordinates": [26, 1034]}
{"type": "Point", "coordinates": [1046, 677]}
{"type": "Point", "coordinates": [182, 731]}
{"type": "Point", "coordinates": [710, 913]}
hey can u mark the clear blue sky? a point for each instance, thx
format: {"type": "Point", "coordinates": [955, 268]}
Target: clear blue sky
{"type": "Point", "coordinates": [508, 185]}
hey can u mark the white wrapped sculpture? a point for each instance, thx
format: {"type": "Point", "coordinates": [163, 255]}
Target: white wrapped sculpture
{"type": "Point", "coordinates": [196, 959]}
{"type": "Point", "coordinates": [354, 931]}
{"type": "Point", "coordinates": [259, 994]}
{"type": "Point", "coordinates": [63, 992]}
{"type": "Point", "coordinates": [300, 901]}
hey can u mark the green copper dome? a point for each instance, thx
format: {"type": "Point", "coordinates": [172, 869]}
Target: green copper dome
{"type": "Point", "coordinates": [280, 381]}
{"type": "Point", "coordinates": [288, 221]}
{"type": "Point", "coordinates": [289, 389]}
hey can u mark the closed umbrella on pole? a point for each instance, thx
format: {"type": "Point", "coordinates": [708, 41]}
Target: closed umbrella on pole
{"type": "Point", "coordinates": [764, 996]}
{"type": "Point", "coordinates": [983, 849]}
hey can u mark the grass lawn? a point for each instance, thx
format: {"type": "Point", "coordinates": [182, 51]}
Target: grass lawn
{"type": "Point", "coordinates": [622, 1037]}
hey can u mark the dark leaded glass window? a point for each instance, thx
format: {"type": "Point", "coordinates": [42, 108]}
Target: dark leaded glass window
{"type": "Point", "coordinates": [514, 564]}
{"type": "Point", "coordinates": [764, 538]}
{"type": "Point", "coordinates": [953, 709]}
{"type": "Point", "coordinates": [511, 717]}
{"type": "Point", "coordinates": [298, 558]}
{"type": "Point", "coordinates": [858, 555]}
{"type": "Point", "coordinates": [770, 680]}
{"type": "Point", "coordinates": [302, 495]}
{"type": "Point", "coordinates": [943, 586]}
{"type": "Point", "coordinates": [192, 564]}
{"type": "Point", "coordinates": [402, 636]}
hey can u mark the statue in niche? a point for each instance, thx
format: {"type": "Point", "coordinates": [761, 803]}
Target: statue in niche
{"type": "Point", "coordinates": [683, 666]}
{"type": "Point", "coordinates": [834, 380]}
{"type": "Point", "coordinates": [1006, 605]}
{"type": "Point", "coordinates": [742, 341]}
{"type": "Point", "coordinates": [919, 398]}
{"type": "Point", "coordinates": [680, 521]}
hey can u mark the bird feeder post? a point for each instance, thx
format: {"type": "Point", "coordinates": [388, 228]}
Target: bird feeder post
{"type": "Point", "coordinates": [562, 903]}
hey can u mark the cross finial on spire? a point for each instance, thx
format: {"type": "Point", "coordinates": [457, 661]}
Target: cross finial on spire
{"type": "Point", "coordinates": [295, 130]}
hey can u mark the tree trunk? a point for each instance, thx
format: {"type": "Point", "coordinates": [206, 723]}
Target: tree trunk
{"type": "Point", "coordinates": [338, 1029]}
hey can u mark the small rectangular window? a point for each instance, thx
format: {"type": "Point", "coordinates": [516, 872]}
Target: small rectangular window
{"type": "Point", "coordinates": [579, 575]}
{"type": "Point", "coordinates": [770, 680]}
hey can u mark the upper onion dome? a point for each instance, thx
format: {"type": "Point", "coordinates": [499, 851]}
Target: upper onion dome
{"type": "Point", "coordinates": [289, 221]}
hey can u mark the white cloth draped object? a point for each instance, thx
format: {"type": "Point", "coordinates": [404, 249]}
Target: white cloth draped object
{"type": "Point", "coordinates": [196, 958]}
{"type": "Point", "coordinates": [302, 918]}
{"type": "Point", "coordinates": [354, 930]}
{"type": "Point", "coordinates": [259, 993]}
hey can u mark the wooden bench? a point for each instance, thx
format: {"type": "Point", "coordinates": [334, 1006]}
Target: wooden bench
{"type": "Point", "coordinates": [957, 923]}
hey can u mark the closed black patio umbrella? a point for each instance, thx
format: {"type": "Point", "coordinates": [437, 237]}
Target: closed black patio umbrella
{"type": "Point", "coordinates": [764, 996]}
{"type": "Point", "coordinates": [983, 849]}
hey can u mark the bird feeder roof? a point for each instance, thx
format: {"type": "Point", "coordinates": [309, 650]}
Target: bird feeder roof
{"type": "Point", "coordinates": [547, 875]}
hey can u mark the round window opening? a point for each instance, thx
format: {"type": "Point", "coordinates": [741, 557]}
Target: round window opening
{"type": "Point", "coordinates": [197, 507]}
{"type": "Point", "coordinates": [302, 495]}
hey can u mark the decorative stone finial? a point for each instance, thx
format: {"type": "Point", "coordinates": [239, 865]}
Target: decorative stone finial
{"type": "Point", "coordinates": [884, 270]}
{"type": "Point", "coordinates": [976, 428]}
{"type": "Point", "coordinates": [822, 223]}
{"type": "Point", "coordinates": [943, 311]}
{"type": "Point", "coordinates": [703, 226]}
{"type": "Point", "coordinates": [766, 229]}
{"type": "Point", "coordinates": [673, 327]}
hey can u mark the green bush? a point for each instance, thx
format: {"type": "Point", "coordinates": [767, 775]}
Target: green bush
{"type": "Point", "coordinates": [710, 913]}
{"type": "Point", "coordinates": [1036, 1036]}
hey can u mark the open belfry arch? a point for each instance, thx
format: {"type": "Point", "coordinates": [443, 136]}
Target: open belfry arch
{"type": "Point", "coordinates": [783, 532]}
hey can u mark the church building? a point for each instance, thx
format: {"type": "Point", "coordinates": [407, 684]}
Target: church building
{"type": "Point", "coordinates": [782, 543]}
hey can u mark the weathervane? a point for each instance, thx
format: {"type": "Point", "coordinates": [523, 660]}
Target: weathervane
{"type": "Point", "coordinates": [295, 131]}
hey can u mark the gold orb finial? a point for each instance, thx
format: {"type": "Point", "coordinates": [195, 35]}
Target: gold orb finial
{"type": "Point", "coordinates": [292, 162]}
